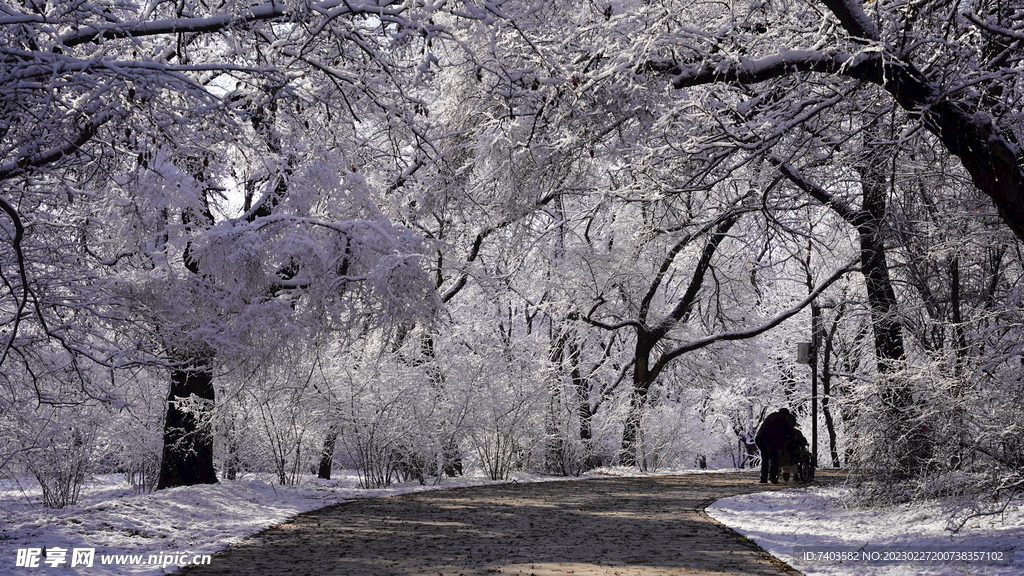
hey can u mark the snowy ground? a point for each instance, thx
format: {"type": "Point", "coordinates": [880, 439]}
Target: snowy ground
{"type": "Point", "coordinates": [811, 530]}
{"type": "Point", "coordinates": [176, 526]}
{"type": "Point", "coordinates": [124, 529]}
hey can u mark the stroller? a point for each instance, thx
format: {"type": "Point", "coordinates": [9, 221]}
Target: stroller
{"type": "Point", "coordinates": [797, 461]}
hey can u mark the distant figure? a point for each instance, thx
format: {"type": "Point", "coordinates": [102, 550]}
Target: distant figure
{"type": "Point", "coordinates": [777, 429]}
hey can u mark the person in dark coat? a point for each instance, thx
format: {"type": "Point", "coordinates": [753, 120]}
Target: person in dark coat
{"type": "Point", "coordinates": [777, 429]}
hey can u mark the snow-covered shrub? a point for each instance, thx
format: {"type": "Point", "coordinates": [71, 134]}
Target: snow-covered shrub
{"type": "Point", "coordinates": [61, 463]}
{"type": "Point", "coordinates": [143, 471]}
{"type": "Point", "coordinates": [370, 445]}
{"type": "Point", "coordinates": [568, 446]}
{"type": "Point", "coordinates": [437, 428]}
{"type": "Point", "coordinates": [291, 433]}
{"type": "Point", "coordinates": [375, 411]}
{"type": "Point", "coordinates": [135, 447]}
{"type": "Point", "coordinates": [669, 432]}
{"type": "Point", "coordinates": [507, 429]}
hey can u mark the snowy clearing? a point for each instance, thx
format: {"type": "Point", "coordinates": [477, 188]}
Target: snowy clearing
{"type": "Point", "coordinates": [815, 520]}
{"type": "Point", "coordinates": [175, 525]}
{"type": "Point", "coordinates": [179, 524]}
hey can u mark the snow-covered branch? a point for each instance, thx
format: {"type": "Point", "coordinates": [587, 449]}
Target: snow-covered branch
{"type": "Point", "coordinates": [478, 241]}
{"type": "Point", "coordinates": [853, 18]}
{"type": "Point", "coordinates": [855, 217]}
{"type": "Point", "coordinates": [756, 331]}
{"type": "Point", "coordinates": [93, 33]}
{"type": "Point", "coordinates": [993, 28]}
{"type": "Point", "coordinates": [865, 66]}
{"type": "Point", "coordinates": [993, 161]}
{"type": "Point", "coordinates": [26, 163]}
{"type": "Point", "coordinates": [273, 10]}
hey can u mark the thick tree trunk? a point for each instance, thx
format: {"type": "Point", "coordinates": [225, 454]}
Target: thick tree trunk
{"type": "Point", "coordinates": [188, 429]}
{"type": "Point", "coordinates": [642, 381]}
{"type": "Point", "coordinates": [583, 408]}
{"type": "Point", "coordinates": [644, 372]}
{"type": "Point", "coordinates": [451, 453]}
{"type": "Point", "coordinates": [586, 415]}
{"type": "Point", "coordinates": [898, 409]}
{"type": "Point", "coordinates": [631, 432]}
{"type": "Point", "coordinates": [327, 454]}
{"type": "Point", "coordinates": [905, 433]}
{"type": "Point", "coordinates": [826, 388]}
{"type": "Point", "coordinates": [188, 426]}
{"type": "Point", "coordinates": [554, 449]}
{"type": "Point", "coordinates": [889, 348]}
{"type": "Point", "coordinates": [555, 443]}
{"type": "Point", "coordinates": [881, 295]}
{"type": "Point", "coordinates": [565, 354]}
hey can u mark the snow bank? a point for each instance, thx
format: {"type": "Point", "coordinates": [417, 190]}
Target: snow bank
{"type": "Point", "coordinates": [124, 528]}
{"type": "Point", "coordinates": [181, 524]}
{"type": "Point", "coordinates": [815, 521]}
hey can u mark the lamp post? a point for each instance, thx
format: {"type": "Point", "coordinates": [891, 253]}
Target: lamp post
{"type": "Point", "coordinates": [807, 353]}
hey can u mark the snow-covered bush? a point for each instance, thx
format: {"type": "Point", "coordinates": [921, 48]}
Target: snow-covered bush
{"type": "Point", "coordinates": [375, 412]}
{"type": "Point", "coordinates": [61, 462]}
{"type": "Point", "coordinates": [507, 426]}
{"type": "Point", "coordinates": [565, 452]}
{"type": "Point", "coordinates": [135, 443]}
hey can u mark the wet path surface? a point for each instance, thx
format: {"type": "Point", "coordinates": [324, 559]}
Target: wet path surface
{"type": "Point", "coordinates": [615, 526]}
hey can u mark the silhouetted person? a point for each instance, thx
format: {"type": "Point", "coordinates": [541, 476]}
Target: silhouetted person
{"type": "Point", "coordinates": [777, 429]}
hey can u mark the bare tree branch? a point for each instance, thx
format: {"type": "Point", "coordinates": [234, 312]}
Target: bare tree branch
{"type": "Point", "coordinates": [666, 263]}
{"type": "Point", "coordinates": [992, 160]}
{"type": "Point", "coordinates": [19, 234]}
{"type": "Point", "coordinates": [750, 333]}
{"type": "Point", "coordinates": [855, 217]}
{"type": "Point", "coordinates": [267, 11]}
{"type": "Point", "coordinates": [474, 251]}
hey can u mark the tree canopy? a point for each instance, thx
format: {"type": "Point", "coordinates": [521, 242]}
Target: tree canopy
{"type": "Point", "coordinates": [506, 232]}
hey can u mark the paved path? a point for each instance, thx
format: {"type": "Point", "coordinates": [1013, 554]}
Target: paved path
{"type": "Point", "coordinates": [616, 526]}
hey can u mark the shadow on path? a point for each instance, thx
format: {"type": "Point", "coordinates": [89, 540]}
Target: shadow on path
{"type": "Point", "coordinates": [615, 526]}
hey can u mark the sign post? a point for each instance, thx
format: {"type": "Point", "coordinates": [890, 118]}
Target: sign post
{"type": "Point", "coordinates": [807, 353]}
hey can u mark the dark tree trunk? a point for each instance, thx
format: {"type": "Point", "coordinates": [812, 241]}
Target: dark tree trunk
{"type": "Point", "coordinates": [901, 416]}
{"type": "Point", "coordinates": [188, 434]}
{"type": "Point", "coordinates": [583, 408]}
{"type": "Point", "coordinates": [642, 380]}
{"type": "Point", "coordinates": [566, 353]}
{"type": "Point", "coordinates": [826, 388]}
{"type": "Point", "coordinates": [881, 295]}
{"type": "Point", "coordinates": [327, 454]}
{"type": "Point", "coordinates": [451, 454]}
{"type": "Point", "coordinates": [586, 415]}
{"type": "Point", "coordinates": [898, 410]}
{"type": "Point", "coordinates": [554, 450]}
{"type": "Point", "coordinates": [644, 372]}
